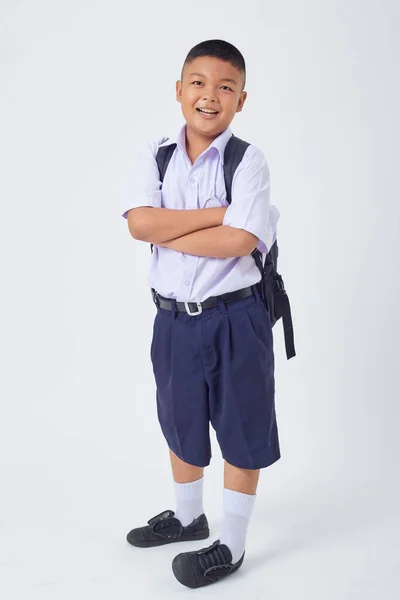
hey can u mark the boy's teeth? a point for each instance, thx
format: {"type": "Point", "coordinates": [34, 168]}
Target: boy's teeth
{"type": "Point", "coordinates": [208, 112]}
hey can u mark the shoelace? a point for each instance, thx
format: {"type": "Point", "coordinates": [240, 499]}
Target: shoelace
{"type": "Point", "coordinates": [213, 556]}
{"type": "Point", "coordinates": [163, 523]}
{"type": "Point", "coordinates": [164, 520]}
{"type": "Point", "coordinates": [167, 514]}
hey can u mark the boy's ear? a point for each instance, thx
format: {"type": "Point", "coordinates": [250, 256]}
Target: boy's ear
{"type": "Point", "coordinates": [179, 91]}
{"type": "Point", "coordinates": [241, 102]}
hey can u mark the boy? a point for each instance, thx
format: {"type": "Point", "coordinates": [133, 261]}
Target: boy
{"type": "Point", "coordinates": [212, 346]}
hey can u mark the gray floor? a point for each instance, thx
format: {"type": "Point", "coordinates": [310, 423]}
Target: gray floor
{"type": "Point", "coordinates": [66, 508]}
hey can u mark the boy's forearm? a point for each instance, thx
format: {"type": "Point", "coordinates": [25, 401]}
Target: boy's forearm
{"type": "Point", "coordinates": [218, 242]}
{"type": "Point", "coordinates": [157, 225]}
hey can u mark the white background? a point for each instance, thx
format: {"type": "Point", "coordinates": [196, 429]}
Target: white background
{"type": "Point", "coordinates": [83, 84]}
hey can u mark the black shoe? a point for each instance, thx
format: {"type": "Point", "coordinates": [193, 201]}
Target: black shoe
{"type": "Point", "coordinates": [166, 529]}
{"type": "Point", "coordinates": [205, 566]}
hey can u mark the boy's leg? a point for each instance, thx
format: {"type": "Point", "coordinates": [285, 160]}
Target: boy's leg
{"type": "Point", "coordinates": [225, 555]}
{"type": "Point", "coordinates": [244, 481]}
{"type": "Point", "coordinates": [238, 363]}
{"type": "Point", "coordinates": [188, 522]}
{"type": "Point", "coordinates": [242, 410]}
{"type": "Point", "coordinates": [188, 481]}
{"type": "Point", "coordinates": [183, 472]}
{"type": "Point", "coordinates": [182, 406]}
{"type": "Point", "coordinates": [240, 487]}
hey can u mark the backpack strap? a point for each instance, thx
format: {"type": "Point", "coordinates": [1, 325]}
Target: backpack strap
{"type": "Point", "coordinates": [277, 301]}
{"type": "Point", "coordinates": [233, 154]}
{"type": "Point", "coordinates": [271, 285]}
{"type": "Point", "coordinates": [163, 156]}
{"type": "Point", "coordinates": [282, 306]}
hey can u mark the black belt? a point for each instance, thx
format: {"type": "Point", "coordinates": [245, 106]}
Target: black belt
{"type": "Point", "coordinates": [195, 308]}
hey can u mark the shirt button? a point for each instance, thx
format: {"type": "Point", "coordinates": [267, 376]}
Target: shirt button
{"type": "Point", "coordinates": [192, 180]}
{"type": "Point", "coordinates": [187, 283]}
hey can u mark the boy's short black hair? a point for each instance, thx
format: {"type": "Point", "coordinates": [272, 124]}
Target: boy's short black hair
{"type": "Point", "coordinates": [218, 49]}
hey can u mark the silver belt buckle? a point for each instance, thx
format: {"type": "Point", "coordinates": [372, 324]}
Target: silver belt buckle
{"type": "Point", "coordinates": [193, 314]}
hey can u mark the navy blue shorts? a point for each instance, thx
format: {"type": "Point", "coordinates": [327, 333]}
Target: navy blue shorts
{"type": "Point", "coordinates": [217, 367]}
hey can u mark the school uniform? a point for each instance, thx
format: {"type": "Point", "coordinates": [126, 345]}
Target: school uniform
{"type": "Point", "coordinates": [216, 365]}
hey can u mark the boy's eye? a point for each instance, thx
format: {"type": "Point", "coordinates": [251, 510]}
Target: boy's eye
{"type": "Point", "coordinates": [225, 86]}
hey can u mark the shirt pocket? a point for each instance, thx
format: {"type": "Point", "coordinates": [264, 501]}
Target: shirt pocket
{"type": "Point", "coordinates": [220, 191]}
{"type": "Point", "coordinates": [216, 197]}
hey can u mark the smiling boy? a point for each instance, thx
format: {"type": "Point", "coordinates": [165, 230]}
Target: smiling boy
{"type": "Point", "coordinates": [212, 347]}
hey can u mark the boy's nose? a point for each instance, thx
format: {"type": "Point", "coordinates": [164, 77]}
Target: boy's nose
{"type": "Point", "coordinates": [209, 94]}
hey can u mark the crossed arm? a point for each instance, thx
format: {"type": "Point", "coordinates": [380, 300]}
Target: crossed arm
{"type": "Point", "coordinates": [199, 232]}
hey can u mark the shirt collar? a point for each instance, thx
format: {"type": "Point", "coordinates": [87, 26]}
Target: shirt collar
{"type": "Point", "coordinates": [219, 143]}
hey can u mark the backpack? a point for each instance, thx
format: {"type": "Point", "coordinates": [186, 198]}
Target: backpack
{"type": "Point", "coordinates": [272, 288]}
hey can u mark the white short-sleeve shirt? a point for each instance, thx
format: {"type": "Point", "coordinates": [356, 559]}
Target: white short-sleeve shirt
{"type": "Point", "coordinates": [200, 185]}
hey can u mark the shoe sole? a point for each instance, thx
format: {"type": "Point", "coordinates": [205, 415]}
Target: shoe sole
{"type": "Point", "coordinates": [150, 544]}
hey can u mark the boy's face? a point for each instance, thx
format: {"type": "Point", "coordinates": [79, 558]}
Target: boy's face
{"type": "Point", "coordinates": [210, 83]}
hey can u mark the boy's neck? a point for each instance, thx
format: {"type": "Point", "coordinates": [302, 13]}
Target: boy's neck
{"type": "Point", "coordinates": [196, 144]}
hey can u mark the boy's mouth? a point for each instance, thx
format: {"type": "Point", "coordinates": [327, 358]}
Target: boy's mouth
{"type": "Point", "coordinates": [206, 113]}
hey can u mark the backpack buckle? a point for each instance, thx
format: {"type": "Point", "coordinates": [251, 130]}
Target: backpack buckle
{"type": "Point", "coordinates": [279, 283]}
{"type": "Point", "coordinates": [155, 298]}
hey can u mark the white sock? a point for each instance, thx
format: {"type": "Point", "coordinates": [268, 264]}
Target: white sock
{"type": "Point", "coordinates": [238, 509]}
{"type": "Point", "coordinates": [189, 501]}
